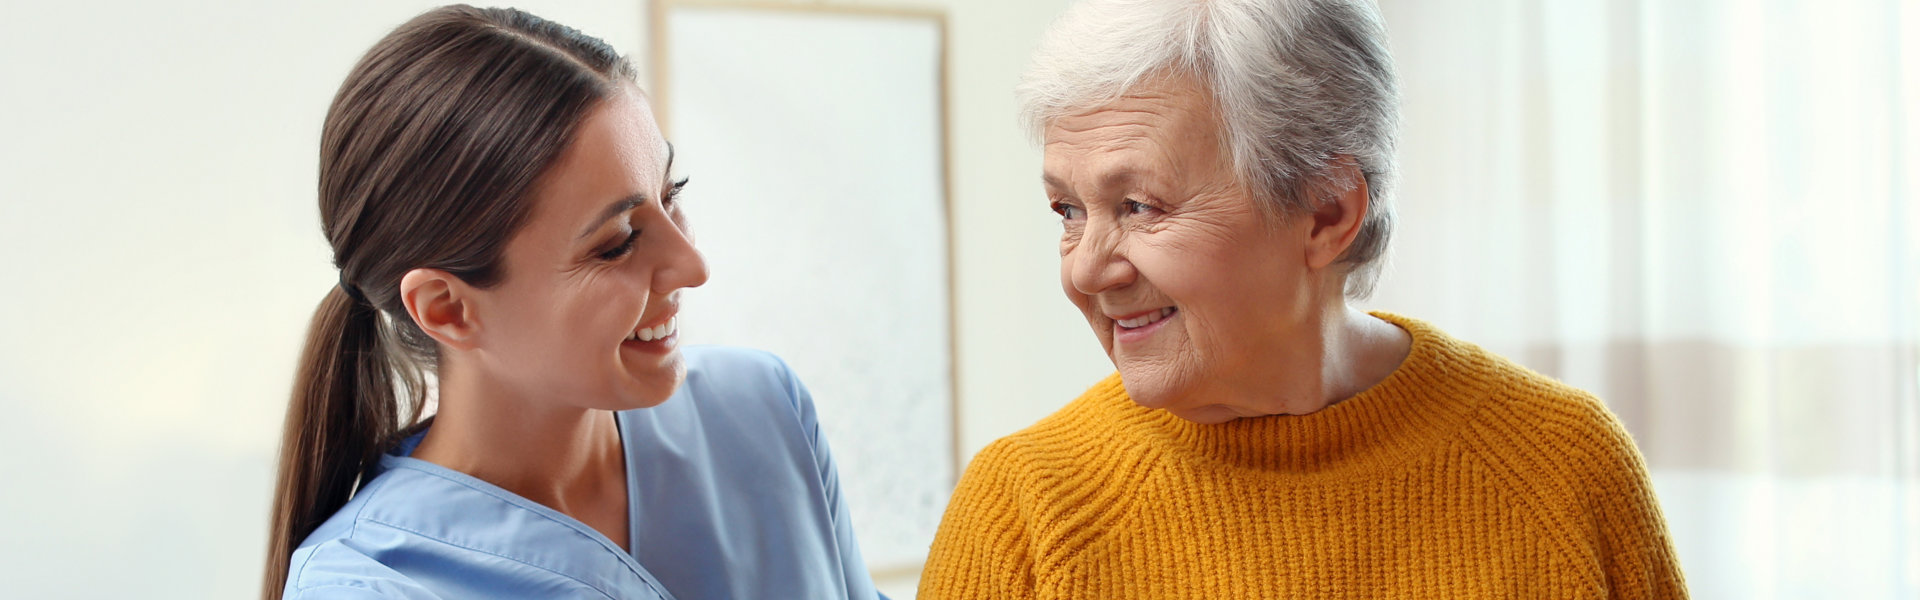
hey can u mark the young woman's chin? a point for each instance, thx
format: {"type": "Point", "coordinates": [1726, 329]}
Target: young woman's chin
{"type": "Point", "coordinates": [650, 380]}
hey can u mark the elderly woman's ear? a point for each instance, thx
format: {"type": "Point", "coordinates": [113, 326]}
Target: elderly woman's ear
{"type": "Point", "coordinates": [1338, 215]}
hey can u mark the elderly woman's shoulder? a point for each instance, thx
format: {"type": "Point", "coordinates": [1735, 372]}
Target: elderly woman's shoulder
{"type": "Point", "coordinates": [1095, 435]}
{"type": "Point", "coordinates": [1513, 391]}
{"type": "Point", "coordinates": [1442, 365]}
{"type": "Point", "coordinates": [1540, 424]}
{"type": "Point", "coordinates": [1100, 416]}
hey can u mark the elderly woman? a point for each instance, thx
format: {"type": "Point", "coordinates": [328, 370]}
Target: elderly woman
{"type": "Point", "coordinates": [1221, 170]}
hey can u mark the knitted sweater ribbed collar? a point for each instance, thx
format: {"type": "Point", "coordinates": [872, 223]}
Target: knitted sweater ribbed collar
{"type": "Point", "coordinates": [1419, 405]}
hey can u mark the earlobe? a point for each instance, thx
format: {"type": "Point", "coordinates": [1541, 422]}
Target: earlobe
{"type": "Point", "coordinates": [442, 306]}
{"type": "Point", "coordinates": [1338, 217]}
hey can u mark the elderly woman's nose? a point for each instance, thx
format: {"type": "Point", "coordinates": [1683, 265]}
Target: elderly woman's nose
{"type": "Point", "coordinates": [1098, 265]}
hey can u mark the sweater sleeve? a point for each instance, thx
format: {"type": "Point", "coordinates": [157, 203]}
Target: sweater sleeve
{"type": "Point", "coordinates": [1637, 553]}
{"type": "Point", "coordinates": [982, 549]}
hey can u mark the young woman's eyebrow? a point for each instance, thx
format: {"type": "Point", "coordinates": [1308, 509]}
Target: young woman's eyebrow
{"type": "Point", "coordinates": [628, 203]}
{"type": "Point", "coordinates": [613, 210]}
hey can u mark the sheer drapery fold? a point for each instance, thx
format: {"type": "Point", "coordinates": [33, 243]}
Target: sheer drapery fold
{"type": "Point", "coordinates": [1708, 213]}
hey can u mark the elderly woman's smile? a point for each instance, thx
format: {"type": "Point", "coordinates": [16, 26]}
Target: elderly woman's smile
{"type": "Point", "coordinates": [1182, 277]}
{"type": "Point", "coordinates": [1135, 325]}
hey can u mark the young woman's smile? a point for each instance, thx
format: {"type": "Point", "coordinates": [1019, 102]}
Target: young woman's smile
{"type": "Point", "coordinates": [588, 309]}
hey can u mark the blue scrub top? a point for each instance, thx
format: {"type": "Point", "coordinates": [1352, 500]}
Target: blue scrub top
{"type": "Point", "coordinates": [732, 494]}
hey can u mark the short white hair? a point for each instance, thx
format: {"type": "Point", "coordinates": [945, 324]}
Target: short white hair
{"type": "Point", "coordinates": [1296, 83]}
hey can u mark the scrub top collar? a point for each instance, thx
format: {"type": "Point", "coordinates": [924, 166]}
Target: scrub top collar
{"type": "Point", "coordinates": [595, 569]}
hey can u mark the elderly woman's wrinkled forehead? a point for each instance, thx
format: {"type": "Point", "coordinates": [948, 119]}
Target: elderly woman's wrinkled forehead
{"type": "Point", "coordinates": [1163, 135]}
{"type": "Point", "coordinates": [1299, 87]}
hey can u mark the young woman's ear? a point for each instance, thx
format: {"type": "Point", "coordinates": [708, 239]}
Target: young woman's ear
{"type": "Point", "coordinates": [442, 305]}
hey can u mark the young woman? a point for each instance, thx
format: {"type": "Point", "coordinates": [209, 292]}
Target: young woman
{"type": "Point", "coordinates": [501, 207]}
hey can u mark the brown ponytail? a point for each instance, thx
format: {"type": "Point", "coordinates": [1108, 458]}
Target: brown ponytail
{"type": "Point", "coordinates": [343, 406]}
{"type": "Point", "coordinates": [427, 156]}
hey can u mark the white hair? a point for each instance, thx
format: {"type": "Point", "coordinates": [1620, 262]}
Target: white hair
{"type": "Point", "coordinates": [1297, 84]}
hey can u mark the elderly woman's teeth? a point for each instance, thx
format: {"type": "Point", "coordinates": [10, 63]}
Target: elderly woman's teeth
{"type": "Point", "coordinates": [1146, 319]}
{"type": "Point", "coordinates": [655, 333]}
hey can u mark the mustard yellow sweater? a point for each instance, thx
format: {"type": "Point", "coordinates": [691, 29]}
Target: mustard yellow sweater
{"type": "Point", "coordinates": [1462, 475]}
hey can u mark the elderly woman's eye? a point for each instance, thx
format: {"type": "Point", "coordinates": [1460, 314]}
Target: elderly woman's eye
{"type": "Point", "coordinates": [1067, 211]}
{"type": "Point", "coordinates": [1135, 207]}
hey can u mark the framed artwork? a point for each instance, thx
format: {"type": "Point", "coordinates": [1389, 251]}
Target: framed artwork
{"type": "Point", "coordinates": [814, 138]}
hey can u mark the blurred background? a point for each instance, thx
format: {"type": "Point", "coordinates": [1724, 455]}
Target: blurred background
{"type": "Point", "coordinates": [1707, 212]}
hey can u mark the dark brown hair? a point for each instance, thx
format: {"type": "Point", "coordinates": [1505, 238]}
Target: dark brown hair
{"type": "Point", "coordinates": [427, 159]}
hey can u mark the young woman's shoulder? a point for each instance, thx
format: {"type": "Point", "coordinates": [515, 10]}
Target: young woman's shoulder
{"type": "Point", "coordinates": [418, 530]}
{"type": "Point", "coordinates": [744, 379]}
{"type": "Point", "coordinates": [736, 457]}
{"type": "Point", "coordinates": [336, 568]}
{"type": "Point", "coordinates": [338, 560]}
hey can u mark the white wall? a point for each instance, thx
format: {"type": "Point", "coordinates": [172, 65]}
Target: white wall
{"type": "Point", "coordinates": [1024, 351]}
{"type": "Point", "coordinates": [157, 174]}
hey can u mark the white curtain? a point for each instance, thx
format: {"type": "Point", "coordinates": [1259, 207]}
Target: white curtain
{"type": "Point", "coordinates": [1707, 213]}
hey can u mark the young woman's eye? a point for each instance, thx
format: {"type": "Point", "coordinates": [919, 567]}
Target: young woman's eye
{"type": "Point", "coordinates": [625, 246]}
{"type": "Point", "coordinates": [673, 194]}
{"type": "Point", "coordinates": [1067, 211]}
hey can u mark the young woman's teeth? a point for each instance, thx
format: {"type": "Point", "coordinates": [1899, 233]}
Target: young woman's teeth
{"type": "Point", "coordinates": [655, 333]}
{"type": "Point", "coordinates": [1146, 319]}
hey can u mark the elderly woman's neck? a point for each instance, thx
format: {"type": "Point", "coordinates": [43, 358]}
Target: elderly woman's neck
{"type": "Point", "coordinates": [1359, 351]}
{"type": "Point", "coordinates": [1354, 351]}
